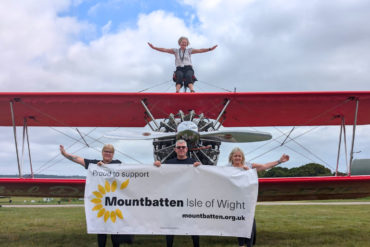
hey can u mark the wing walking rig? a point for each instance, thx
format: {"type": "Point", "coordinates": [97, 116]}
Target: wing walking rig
{"type": "Point", "coordinates": [203, 119]}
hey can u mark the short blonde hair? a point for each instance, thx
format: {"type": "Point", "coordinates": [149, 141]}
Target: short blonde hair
{"type": "Point", "coordinates": [181, 38]}
{"type": "Point", "coordinates": [108, 147]}
{"type": "Point", "coordinates": [233, 152]}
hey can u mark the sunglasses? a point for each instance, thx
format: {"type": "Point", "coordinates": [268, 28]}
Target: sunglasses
{"type": "Point", "coordinates": [181, 147]}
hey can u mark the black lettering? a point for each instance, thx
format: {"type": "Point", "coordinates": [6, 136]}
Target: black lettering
{"type": "Point", "coordinates": [110, 202]}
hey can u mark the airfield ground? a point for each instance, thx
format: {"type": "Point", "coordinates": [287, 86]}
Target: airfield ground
{"type": "Point", "coordinates": [278, 225]}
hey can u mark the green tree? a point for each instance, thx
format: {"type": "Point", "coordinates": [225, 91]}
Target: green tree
{"type": "Point", "coordinates": [308, 170]}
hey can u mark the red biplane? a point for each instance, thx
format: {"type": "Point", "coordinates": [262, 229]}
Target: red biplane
{"type": "Point", "coordinates": [203, 113]}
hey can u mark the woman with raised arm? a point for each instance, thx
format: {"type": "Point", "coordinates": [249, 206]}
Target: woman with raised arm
{"type": "Point", "coordinates": [237, 159]}
{"type": "Point", "coordinates": [184, 73]}
{"type": "Point", "coordinates": [107, 158]}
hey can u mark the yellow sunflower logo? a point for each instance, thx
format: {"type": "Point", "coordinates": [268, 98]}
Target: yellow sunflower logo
{"type": "Point", "coordinates": [102, 190]}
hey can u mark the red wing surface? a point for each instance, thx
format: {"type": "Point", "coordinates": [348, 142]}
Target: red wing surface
{"type": "Point", "coordinates": [313, 188]}
{"type": "Point", "coordinates": [126, 110]}
{"type": "Point", "coordinates": [42, 187]}
{"type": "Point", "coordinates": [270, 189]}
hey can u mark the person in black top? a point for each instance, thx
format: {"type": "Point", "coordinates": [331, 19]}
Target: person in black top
{"type": "Point", "coordinates": [181, 150]}
{"type": "Point", "coordinates": [107, 153]}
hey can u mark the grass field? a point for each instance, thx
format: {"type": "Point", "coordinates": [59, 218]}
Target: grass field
{"type": "Point", "coordinates": [328, 225]}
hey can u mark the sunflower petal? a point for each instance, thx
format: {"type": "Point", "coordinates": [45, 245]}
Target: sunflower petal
{"type": "Point", "coordinates": [107, 186]}
{"type": "Point", "coordinates": [97, 207]}
{"type": "Point", "coordinates": [97, 194]}
{"type": "Point", "coordinates": [124, 184]}
{"type": "Point", "coordinates": [106, 216]}
{"type": "Point", "coordinates": [96, 200]}
{"type": "Point", "coordinates": [101, 189]}
{"type": "Point", "coordinates": [101, 212]}
{"type": "Point", "coordinates": [119, 213]}
{"type": "Point", "coordinates": [113, 216]}
{"type": "Point", "coordinates": [114, 186]}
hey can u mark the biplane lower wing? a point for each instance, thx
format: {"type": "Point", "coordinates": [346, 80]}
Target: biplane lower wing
{"type": "Point", "coordinates": [42, 187]}
{"type": "Point", "coordinates": [270, 189]}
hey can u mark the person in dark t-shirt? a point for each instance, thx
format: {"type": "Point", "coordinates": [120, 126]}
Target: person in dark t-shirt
{"type": "Point", "coordinates": [181, 150]}
{"type": "Point", "coordinates": [107, 153]}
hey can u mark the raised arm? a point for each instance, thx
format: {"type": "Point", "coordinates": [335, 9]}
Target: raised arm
{"type": "Point", "coordinates": [262, 167]}
{"type": "Point", "coordinates": [193, 51]}
{"type": "Point", "coordinates": [161, 49]}
{"type": "Point", "coordinates": [74, 158]}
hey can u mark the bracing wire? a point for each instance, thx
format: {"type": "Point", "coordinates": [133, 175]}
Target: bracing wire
{"type": "Point", "coordinates": [304, 148]}
{"type": "Point", "coordinates": [156, 85]}
{"type": "Point", "coordinates": [210, 84]}
{"type": "Point", "coordinates": [63, 124]}
{"type": "Point", "coordinates": [46, 164]}
{"type": "Point", "coordinates": [310, 120]}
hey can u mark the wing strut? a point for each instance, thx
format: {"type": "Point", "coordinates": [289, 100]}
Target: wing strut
{"type": "Point", "coordinates": [220, 115]}
{"type": "Point", "coordinates": [25, 136]}
{"type": "Point", "coordinates": [290, 132]}
{"type": "Point", "coordinates": [82, 137]}
{"type": "Point", "coordinates": [342, 132]}
{"type": "Point", "coordinates": [150, 114]}
{"type": "Point", "coordinates": [15, 138]}
{"type": "Point", "coordinates": [353, 137]}
{"type": "Point", "coordinates": [339, 144]}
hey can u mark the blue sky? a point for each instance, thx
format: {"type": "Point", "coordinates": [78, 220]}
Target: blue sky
{"type": "Point", "coordinates": [122, 14]}
{"type": "Point", "coordinates": [101, 46]}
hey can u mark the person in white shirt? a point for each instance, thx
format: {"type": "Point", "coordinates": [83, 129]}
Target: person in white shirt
{"type": "Point", "coordinates": [237, 159]}
{"type": "Point", "coordinates": [184, 73]}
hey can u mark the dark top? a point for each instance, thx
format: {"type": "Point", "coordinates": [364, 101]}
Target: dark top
{"type": "Point", "coordinates": [87, 162]}
{"type": "Point", "coordinates": [176, 161]}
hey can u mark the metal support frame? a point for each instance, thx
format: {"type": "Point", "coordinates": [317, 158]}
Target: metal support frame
{"type": "Point", "coordinates": [339, 144]}
{"type": "Point", "coordinates": [191, 115]}
{"type": "Point", "coordinates": [353, 137]}
{"type": "Point", "coordinates": [345, 145]}
{"type": "Point", "coordinates": [15, 138]}
{"type": "Point", "coordinates": [220, 115]}
{"type": "Point", "coordinates": [25, 136]}
{"type": "Point", "coordinates": [150, 114]}
{"type": "Point", "coordinates": [182, 115]}
{"type": "Point", "coordinates": [148, 123]}
{"type": "Point", "coordinates": [78, 131]}
{"type": "Point", "coordinates": [286, 138]}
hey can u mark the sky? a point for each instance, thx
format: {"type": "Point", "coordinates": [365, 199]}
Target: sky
{"type": "Point", "coordinates": [101, 46]}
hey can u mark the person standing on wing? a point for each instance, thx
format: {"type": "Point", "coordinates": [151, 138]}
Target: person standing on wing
{"type": "Point", "coordinates": [181, 150]}
{"type": "Point", "coordinates": [184, 68]}
{"type": "Point", "coordinates": [237, 159]}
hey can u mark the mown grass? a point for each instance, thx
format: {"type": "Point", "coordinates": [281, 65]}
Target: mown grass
{"type": "Point", "coordinates": [302, 225]}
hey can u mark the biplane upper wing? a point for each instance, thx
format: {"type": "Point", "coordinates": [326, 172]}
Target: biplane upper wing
{"type": "Point", "coordinates": [126, 109]}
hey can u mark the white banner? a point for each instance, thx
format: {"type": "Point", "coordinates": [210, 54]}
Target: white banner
{"type": "Point", "coordinates": [170, 200]}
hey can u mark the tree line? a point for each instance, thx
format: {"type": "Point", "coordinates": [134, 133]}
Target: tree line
{"type": "Point", "coordinates": [308, 170]}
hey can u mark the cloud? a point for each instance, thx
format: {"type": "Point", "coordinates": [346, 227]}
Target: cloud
{"type": "Point", "coordinates": [263, 46]}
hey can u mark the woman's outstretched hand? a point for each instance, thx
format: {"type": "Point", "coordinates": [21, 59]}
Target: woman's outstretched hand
{"type": "Point", "coordinates": [212, 48]}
